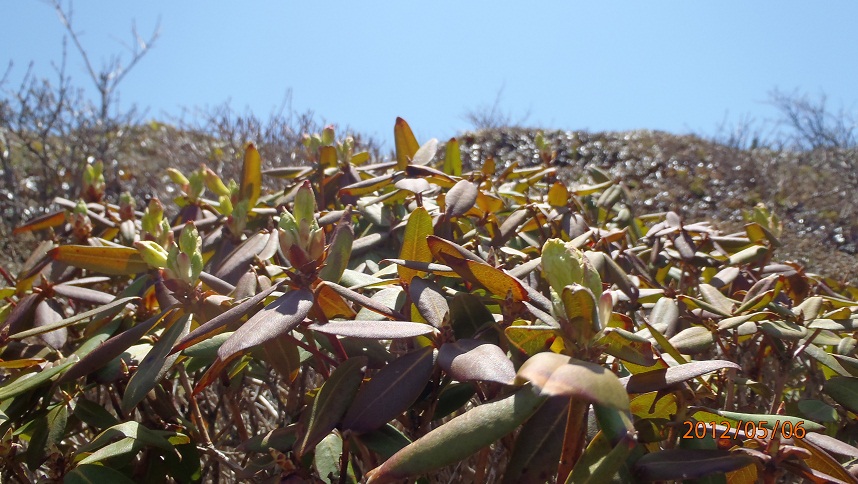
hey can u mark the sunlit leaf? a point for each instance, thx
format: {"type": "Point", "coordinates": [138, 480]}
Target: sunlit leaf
{"type": "Point", "coordinates": [459, 438]}
{"type": "Point", "coordinates": [414, 245]}
{"type": "Point", "coordinates": [406, 144]}
{"type": "Point", "coordinates": [476, 360]}
{"type": "Point", "coordinates": [373, 329]}
{"type": "Point", "coordinates": [105, 260]}
{"type": "Point", "coordinates": [251, 176]}
{"type": "Point", "coordinates": [555, 374]}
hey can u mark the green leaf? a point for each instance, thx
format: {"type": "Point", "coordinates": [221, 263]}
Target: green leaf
{"type": "Point", "coordinates": [94, 414]}
{"type": "Point", "coordinates": [844, 390]}
{"type": "Point", "coordinates": [414, 245]}
{"type": "Point", "coordinates": [339, 251]}
{"type": "Point", "coordinates": [537, 448]}
{"type": "Point", "coordinates": [30, 381]}
{"type": "Point", "coordinates": [459, 438]}
{"type": "Point", "coordinates": [102, 312]}
{"type": "Point", "coordinates": [693, 340]}
{"type": "Point", "coordinates": [627, 346]}
{"type": "Point", "coordinates": [386, 441]}
{"type": "Point", "coordinates": [95, 474]}
{"type": "Point", "coordinates": [453, 158]}
{"type": "Point", "coordinates": [331, 403]}
{"type": "Point", "coordinates": [600, 463]}
{"type": "Point", "coordinates": [156, 363]}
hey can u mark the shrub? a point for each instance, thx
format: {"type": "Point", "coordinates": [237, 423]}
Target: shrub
{"type": "Point", "coordinates": [388, 320]}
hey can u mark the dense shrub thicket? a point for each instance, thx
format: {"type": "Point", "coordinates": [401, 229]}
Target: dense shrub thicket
{"type": "Point", "coordinates": [349, 319]}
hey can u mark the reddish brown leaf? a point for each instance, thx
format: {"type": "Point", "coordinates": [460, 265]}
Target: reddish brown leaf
{"type": "Point", "coordinates": [476, 360]}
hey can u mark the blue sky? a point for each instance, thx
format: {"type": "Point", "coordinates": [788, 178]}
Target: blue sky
{"type": "Point", "coordinates": [679, 66]}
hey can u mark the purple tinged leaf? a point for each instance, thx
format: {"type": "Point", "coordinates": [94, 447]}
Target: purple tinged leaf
{"type": "Point", "coordinates": [661, 378]}
{"type": "Point", "coordinates": [373, 329]}
{"type": "Point", "coordinates": [245, 287]}
{"type": "Point", "coordinates": [83, 294]}
{"type": "Point", "coordinates": [430, 302]}
{"type": "Point", "coordinates": [414, 185]}
{"type": "Point", "coordinates": [47, 314]}
{"type": "Point", "coordinates": [555, 374]}
{"type": "Point", "coordinates": [238, 262]}
{"type": "Point", "coordinates": [391, 391]}
{"type": "Point", "coordinates": [681, 464]}
{"type": "Point", "coordinates": [476, 360]}
{"type": "Point", "coordinates": [537, 449]}
{"type": "Point", "coordinates": [461, 198]}
{"type": "Point", "coordinates": [340, 250]}
{"type": "Point", "coordinates": [112, 348]}
{"type": "Point", "coordinates": [278, 318]}
{"type": "Point", "coordinates": [216, 283]}
{"type": "Point", "coordinates": [366, 302]}
{"type": "Point", "coordinates": [693, 340]}
{"type": "Point", "coordinates": [214, 325]}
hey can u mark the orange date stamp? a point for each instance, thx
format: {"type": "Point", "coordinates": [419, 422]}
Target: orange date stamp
{"type": "Point", "coordinates": [761, 429]}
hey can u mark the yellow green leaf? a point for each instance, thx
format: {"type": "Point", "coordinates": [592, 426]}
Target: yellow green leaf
{"type": "Point", "coordinates": [251, 175]}
{"type": "Point", "coordinates": [414, 245]}
{"type": "Point", "coordinates": [406, 143]}
{"type": "Point", "coordinates": [106, 260]}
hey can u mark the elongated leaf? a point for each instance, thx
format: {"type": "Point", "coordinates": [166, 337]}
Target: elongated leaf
{"type": "Point", "coordinates": [627, 346]}
{"type": "Point", "coordinates": [459, 438]}
{"type": "Point", "coordinates": [385, 441]}
{"type": "Point", "coordinates": [215, 325]}
{"type": "Point", "coordinates": [364, 187]}
{"type": "Point", "coordinates": [476, 360]}
{"type": "Point", "coordinates": [105, 260]}
{"type": "Point", "coordinates": [279, 317]}
{"type": "Point", "coordinates": [678, 464]}
{"type": "Point", "coordinates": [391, 391]}
{"type": "Point", "coordinates": [366, 302]}
{"type": "Point", "coordinates": [251, 176]}
{"type": "Point", "coordinates": [844, 390]}
{"type": "Point", "coordinates": [156, 363]}
{"type": "Point", "coordinates": [453, 158]}
{"type": "Point", "coordinates": [661, 378]}
{"type": "Point", "coordinates": [494, 280]}
{"type": "Point", "coordinates": [414, 245]}
{"type": "Point", "coordinates": [47, 313]}
{"type": "Point", "coordinates": [83, 294]}
{"type": "Point", "coordinates": [430, 302]}
{"type": "Point", "coordinates": [764, 420]}
{"type": "Point", "coordinates": [102, 312]}
{"type": "Point", "coordinates": [693, 340]}
{"type": "Point", "coordinates": [537, 448]}
{"type": "Point", "coordinates": [339, 251]}
{"type": "Point", "coordinates": [332, 304]}
{"type": "Point", "coordinates": [600, 463]}
{"type": "Point", "coordinates": [555, 374]}
{"type": "Point", "coordinates": [373, 329]}
{"type": "Point", "coordinates": [95, 474]}
{"type": "Point", "coordinates": [41, 222]}
{"type": "Point", "coordinates": [439, 246]}
{"type": "Point", "coordinates": [531, 340]}
{"type": "Point", "coordinates": [49, 432]}
{"type": "Point", "coordinates": [406, 144]}
{"type": "Point", "coordinates": [331, 402]}
{"type": "Point", "coordinates": [238, 262]}
{"type": "Point", "coordinates": [460, 198]}
{"type": "Point", "coordinates": [112, 348]}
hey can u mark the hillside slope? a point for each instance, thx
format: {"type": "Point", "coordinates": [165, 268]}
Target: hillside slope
{"type": "Point", "coordinates": [812, 192]}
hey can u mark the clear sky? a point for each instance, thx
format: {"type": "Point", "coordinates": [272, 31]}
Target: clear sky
{"type": "Point", "coordinates": [679, 66]}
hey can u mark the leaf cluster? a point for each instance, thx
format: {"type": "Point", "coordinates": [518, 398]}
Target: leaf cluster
{"type": "Point", "coordinates": [405, 319]}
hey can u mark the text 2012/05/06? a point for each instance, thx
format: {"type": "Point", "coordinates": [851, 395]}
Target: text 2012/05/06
{"type": "Point", "coordinates": [761, 429]}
